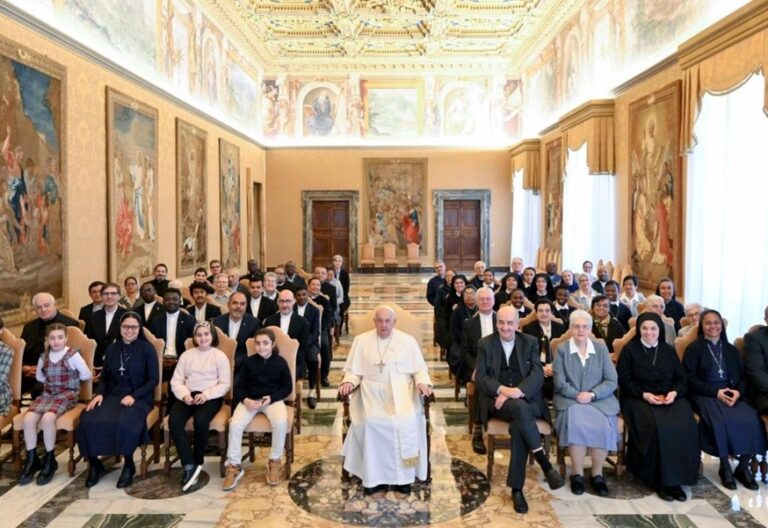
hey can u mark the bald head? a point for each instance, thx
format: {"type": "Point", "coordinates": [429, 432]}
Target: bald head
{"type": "Point", "coordinates": [506, 322]}
{"type": "Point", "coordinates": [285, 302]}
{"type": "Point", "coordinates": [384, 319]}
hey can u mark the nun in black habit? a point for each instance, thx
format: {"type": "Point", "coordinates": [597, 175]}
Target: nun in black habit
{"type": "Point", "coordinates": [115, 420]}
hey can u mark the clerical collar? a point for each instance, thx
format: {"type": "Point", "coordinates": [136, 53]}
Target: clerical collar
{"type": "Point", "coordinates": [560, 306]}
{"type": "Point", "coordinates": [646, 345]}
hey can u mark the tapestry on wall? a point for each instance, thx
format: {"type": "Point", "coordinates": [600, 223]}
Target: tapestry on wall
{"type": "Point", "coordinates": [32, 211]}
{"type": "Point", "coordinates": [655, 186]}
{"type": "Point", "coordinates": [554, 231]}
{"type": "Point", "coordinates": [191, 226]}
{"type": "Point", "coordinates": [132, 186]}
{"type": "Point", "coordinates": [395, 191]}
{"type": "Point", "coordinates": [229, 176]}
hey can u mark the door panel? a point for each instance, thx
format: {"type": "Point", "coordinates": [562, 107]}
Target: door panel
{"type": "Point", "coordinates": [330, 231]}
{"type": "Point", "coordinates": [461, 233]}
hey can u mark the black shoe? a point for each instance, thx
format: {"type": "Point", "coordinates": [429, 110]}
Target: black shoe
{"type": "Point", "coordinates": [126, 477]}
{"type": "Point", "coordinates": [478, 446]}
{"type": "Point", "coordinates": [95, 472]}
{"type": "Point", "coordinates": [325, 383]}
{"type": "Point", "coordinates": [31, 466]}
{"type": "Point", "coordinates": [744, 475]}
{"type": "Point", "coordinates": [405, 489]}
{"type": "Point", "coordinates": [191, 477]}
{"type": "Point", "coordinates": [577, 484]}
{"type": "Point", "coordinates": [49, 469]}
{"type": "Point", "coordinates": [311, 402]}
{"type": "Point", "coordinates": [554, 479]}
{"type": "Point", "coordinates": [665, 494]}
{"type": "Point", "coordinates": [678, 494]}
{"type": "Point", "coordinates": [375, 489]}
{"type": "Point", "coordinates": [598, 485]}
{"type": "Point", "coordinates": [519, 502]}
{"type": "Point", "coordinates": [726, 477]}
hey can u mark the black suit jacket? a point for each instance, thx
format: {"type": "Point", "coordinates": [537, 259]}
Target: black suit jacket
{"type": "Point", "coordinates": [490, 358]}
{"type": "Point", "coordinates": [298, 329]}
{"type": "Point", "coordinates": [211, 311]}
{"type": "Point", "coordinates": [185, 325]}
{"type": "Point", "coordinates": [756, 363]}
{"type": "Point", "coordinates": [248, 327]}
{"type": "Point", "coordinates": [329, 290]}
{"type": "Point", "coordinates": [622, 314]}
{"type": "Point", "coordinates": [296, 283]}
{"type": "Point", "coordinates": [267, 307]}
{"type": "Point", "coordinates": [312, 316]}
{"type": "Point", "coordinates": [598, 286]}
{"type": "Point", "coordinates": [104, 336]}
{"type": "Point", "coordinates": [157, 309]}
{"type": "Point", "coordinates": [33, 335]}
{"type": "Point", "coordinates": [470, 335]}
{"type": "Point", "coordinates": [534, 329]}
{"type": "Point", "coordinates": [327, 314]}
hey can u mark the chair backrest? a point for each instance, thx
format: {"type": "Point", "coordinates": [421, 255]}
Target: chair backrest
{"type": "Point", "coordinates": [287, 348]}
{"type": "Point", "coordinates": [304, 274]}
{"type": "Point", "coordinates": [226, 345]}
{"type": "Point", "coordinates": [390, 251]}
{"type": "Point", "coordinates": [531, 317]}
{"type": "Point", "coordinates": [76, 339]}
{"type": "Point", "coordinates": [556, 342]}
{"type": "Point", "coordinates": [367, 251]}
{"type": "Point", "coordinates": [71, 315]}
{"type": "Point", "coordinates": [17, 345]}
{"type": "Point", "coordinates": [413, 251]}
{"type": "Point", "coordinates": [406, 322]}
{"type": "Point", "coordinates": [681, 343]}
{"type": "Point", "coordinates": [210, 300]}
{"type": "Point", "coordinates": [619, 344]}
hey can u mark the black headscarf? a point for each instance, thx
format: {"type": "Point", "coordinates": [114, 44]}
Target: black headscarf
{"type": "Point", "coordinates": [650, 316]}
{"type": "Point", "coordinates": [531, 292]}
{"type": "Point", "coordinates": [723, 335]}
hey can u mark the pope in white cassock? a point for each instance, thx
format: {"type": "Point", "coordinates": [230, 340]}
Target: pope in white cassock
{"type": "Point", "coordinates": [387, 439]}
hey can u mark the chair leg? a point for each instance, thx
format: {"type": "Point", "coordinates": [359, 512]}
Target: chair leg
{"type": "Point", "coordinates": [223, 444]}
{"type": "Point", "coordinates": [16, 437]}
{"type": "Point", "coordinates": [143, 463]}
{"type": "Point", "coordinates": [156, 441]}
{"type": "Point", "coordinates": [561, 461]}
{"type": "Point", "coordinates": [491, 448]}
{"type": "Point", "coordinates": [251, 448]}
{"type": "Point", "coordinates": [167, 445]}
{"type": "Point", "coordinates": [289, 453]}
{"type": "Point", "coordinates": [71, 448]}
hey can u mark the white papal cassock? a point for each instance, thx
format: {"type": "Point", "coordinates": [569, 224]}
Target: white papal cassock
{"type": "Point", "coordinates": [387, 441]}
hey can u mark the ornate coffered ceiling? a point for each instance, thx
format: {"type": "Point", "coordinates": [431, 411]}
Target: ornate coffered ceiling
{"type": "Point", "coordinates": [316, 36]}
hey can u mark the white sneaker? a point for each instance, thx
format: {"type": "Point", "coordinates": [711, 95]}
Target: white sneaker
{"type": "Point", "coordinates": [192, 481]}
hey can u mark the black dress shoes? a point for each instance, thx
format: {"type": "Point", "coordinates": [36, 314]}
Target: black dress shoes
{"type": "Point", "coordinates": [665, 494]}
{"type": "Point", "coordinates": [726, 478]}
{"type": "Point", "coordinates": [599, 486]}
{"type": "Point", "coordinates": [478, 446]}
{"type": "Point", "coordinates": [31, 466]}
{"type": "Point", "coordinates": [375, 489]}
{"type": "Point", "coordinates": [678, 494]}
{"type": "Point", "coordinates": [405, 489]}
{"type": "Point", "coordinates": [554, 479]}
{"type": "Point", "coordinates": [95, 472]}
{"type": "Point", "coordinates": [577, 484]}
{"type": "Point", "coordinates": [126, 477]}
{"type": "Point", "coordinates": [48, 470]}
{"type": "Point", "coordinates": [325, 383]}
{"type": "Point", "coordinates": [311, 402]}
{"type": "Point", "coordinates": [519, 502]}
{"type": "Point", "coordinates": [744, 475]}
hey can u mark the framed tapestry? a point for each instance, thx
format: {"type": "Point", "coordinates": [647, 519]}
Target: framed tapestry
{"type": "Point", "coordinates": [553, 239]}
{"type": "Point", "coordinates": [395, 191]}
{"type": "Point", "coordinates": [191, 225]}
{"type": "Point", "coordinates": [655, 186]}
{"type": "Point", "coordinates": [229, 192]}
{"type": "Point", "coordinates": [132, 186]}
{"type": "Point", "coordinates": [33, 209]}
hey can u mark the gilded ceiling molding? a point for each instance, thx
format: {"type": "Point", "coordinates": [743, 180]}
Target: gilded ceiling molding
{"type": "Point", "coordinates": [526, 155]}
{"type": "Point", "coordinates": [592, 123]}
{"type": "Point", "coordinates": [720, 59]}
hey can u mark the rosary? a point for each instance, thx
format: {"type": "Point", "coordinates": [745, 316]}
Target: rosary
{"type": "Point", "coordinates": [381, 363]}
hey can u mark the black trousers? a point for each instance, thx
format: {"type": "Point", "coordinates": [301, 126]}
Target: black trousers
{"type": "Point", "coordinates": [522, 416]}
{"type": "Point", "coordinates": [201, 418]}
{"type": "Point", "coordinates": [326, 356]}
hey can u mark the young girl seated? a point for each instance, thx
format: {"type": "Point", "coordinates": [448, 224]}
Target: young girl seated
{"type": "Point", "coordinates": [60, 369]}
{"type": "Point", "coordinates": [200, 382]}
{"type": "Point", "coordinates": [263, 383]}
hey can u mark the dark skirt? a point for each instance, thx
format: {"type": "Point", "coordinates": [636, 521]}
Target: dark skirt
{"type": "Point", "coordinates": [113, 429]}
{"type": "Point", "coordinates": [726, 431]}
{"type": "Point", "coordinates": [663, 446]}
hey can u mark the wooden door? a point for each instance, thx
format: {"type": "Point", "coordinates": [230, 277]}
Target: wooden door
{"type": "Point", "coordinates": [330, 231]}
{"type": "Point", "coordinates": [461, 233]}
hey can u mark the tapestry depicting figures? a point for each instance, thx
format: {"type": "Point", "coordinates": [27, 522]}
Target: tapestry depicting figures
{"type": "Point", "coordinates": [655, 186]}
{"type": "Point", "coordinates": [191, 226]}
{"type": "Point", "coordinates": [395, 191]}
{"type": "Point", "coordinates": [554, 232]}
{"type": "Point", "coordinates": [229, 175]}
{"type": "Point", "coordinates": [132, 172]}
{"type": "Point", "coordinates": [32, 209]}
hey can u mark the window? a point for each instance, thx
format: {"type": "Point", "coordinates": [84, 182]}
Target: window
{"type": "Point", "coordinates": [526, 221]}
{"type": "Point", "coordinates": [726, 254]}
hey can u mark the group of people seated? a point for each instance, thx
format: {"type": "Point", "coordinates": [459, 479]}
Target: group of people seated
{"type": "Point", "coordinates": [589, 387]}
{"type": "Point", "coordinates": [126, 370]}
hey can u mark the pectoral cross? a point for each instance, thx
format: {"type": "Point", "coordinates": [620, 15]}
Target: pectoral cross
{"type": "Point", "coordinates": [381, 365]}
{"type": "Point", "coordinates": [720, 372]}
{"type": "Point", "coordinates": [121, 369]}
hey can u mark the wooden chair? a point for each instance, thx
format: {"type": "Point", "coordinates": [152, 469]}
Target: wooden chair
{"type": "Point", "coordinates": [619, 344]}
{"type": "Point", "coordinates": [531, 317]}
{"type": "Point", "coordinates": [17, 346]}
{"type": "Point", "coordinates": [406, 322]}
{"type": "Point", "coordinates": [155, 416]}
{"type": "Point", "coordinates": [413, 261]}
{"type": "Point", "coordinates": [71, 315]}
{"type": "Point", "coordinates": [288, 349]}
{"type": "Point", "coordinates": [390, 257]}
{"type": "Point", "coordinates": [498, 436]}
{"type": "Point", "coordinates": [220, 421]}
{"type": "Point", "coordinates": [681, 343]}
{"type": "Point", "coordinates": [68, 421]}
{"type": "Point", "coordinates": [367, 257]}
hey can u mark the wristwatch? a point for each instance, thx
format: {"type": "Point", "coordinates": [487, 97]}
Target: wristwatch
{"type": "Point", "coordinates": [594, 396]}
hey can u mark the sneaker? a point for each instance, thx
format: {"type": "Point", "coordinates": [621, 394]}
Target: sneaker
{"type": "Point", "coordinates": [274, 471]}
{"type": "Point", "coordinates": [232, 476]}
{"type": "Point", "coordinates": [190, 478]}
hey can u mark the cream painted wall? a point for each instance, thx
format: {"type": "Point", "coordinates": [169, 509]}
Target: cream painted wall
{"type": "Point", "coordinates": [86, 179]}
{"type": "Point", "coordinates": [290, 171]}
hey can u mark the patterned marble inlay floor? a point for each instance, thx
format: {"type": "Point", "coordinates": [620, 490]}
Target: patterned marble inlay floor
{"type": "Point", "coordinates": [156, 502]}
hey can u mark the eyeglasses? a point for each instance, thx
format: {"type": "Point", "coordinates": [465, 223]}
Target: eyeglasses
{"type": "Point", "coordinates": [129, 327]}
{"type": "Point", "coordinates": [285, 300]}
{"type": "Point", "coordinates": [108, 293]}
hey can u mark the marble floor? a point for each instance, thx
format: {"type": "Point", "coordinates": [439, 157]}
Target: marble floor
{"type": "Point", "coordinates": [316, 496]}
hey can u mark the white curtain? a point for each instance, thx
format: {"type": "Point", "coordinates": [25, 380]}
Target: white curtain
{"type": "Point", "coordinates": [726, 229]}
{"type": "Point", "coordinates": [526, 221]}
{"type": "Point", "coordinates": [589, 213]}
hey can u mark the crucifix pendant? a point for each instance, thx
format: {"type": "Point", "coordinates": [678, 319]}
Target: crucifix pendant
{"type": "Point", "coordinates": [720, 372]}
{"type": "Point", "coordinates": [380, 364]}
{"type": "Point", "coordinates": [121, 369]}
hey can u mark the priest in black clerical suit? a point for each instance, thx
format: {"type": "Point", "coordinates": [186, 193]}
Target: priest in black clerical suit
{"type": "Point", "coordinates": [267, 307]}
{"type": "Point", "coordinates": [298, 329]}
{"type": "Point", "coordinates": [98, 331]}
{"type": "Point", "coordinates": [756, 363]}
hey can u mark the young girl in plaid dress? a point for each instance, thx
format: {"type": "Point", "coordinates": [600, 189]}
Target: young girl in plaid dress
{"type": "Point", "coordinates": [60, 369]}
